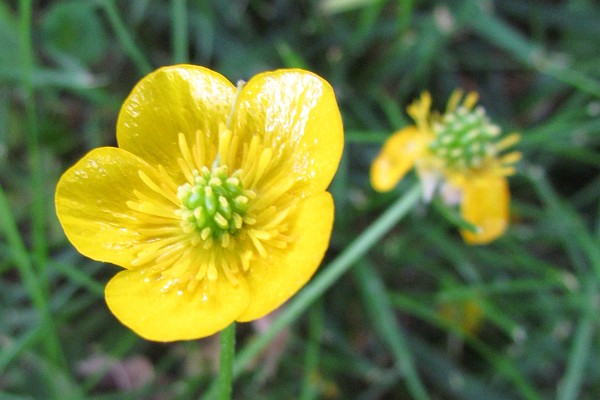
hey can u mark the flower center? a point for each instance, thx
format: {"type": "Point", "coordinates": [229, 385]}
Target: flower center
{"type": "Point", "coordinates": [214, 204]}
{"type": "Point", "coordinates": [464, 137]}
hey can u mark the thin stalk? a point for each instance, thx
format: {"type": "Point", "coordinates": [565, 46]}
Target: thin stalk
{"type": "Point", "coordinates": [25, 263]}
{"type": "Point", "coordinates": [329, 275]}
{"type": "Point", "coordinates": [226, 362]}
{"type": "Point", "coordinates": [180, 31]}
{"type": "Point", "coordinates": [126, 40]}
{"type": "Point", "coordinates": [38, 214]}
{"type": "Point", "coordinates": [27, 273]}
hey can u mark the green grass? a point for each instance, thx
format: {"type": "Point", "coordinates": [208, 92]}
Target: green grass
{"type": "Point", "coordinates": [369, 325]}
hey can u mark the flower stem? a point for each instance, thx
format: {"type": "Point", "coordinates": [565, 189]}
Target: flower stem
{"type": "Point", "coordinates": [179, 31]}
{"type": "Point", "coordinates": [32, 265]}
{"type": "Point", "coordinates": [329, 275]}
{"type": "Point", "coordinates": [125, 38]}
{"type": "Point", "coordinates": [226, 362]}
{"type": "Point", "coordinates": [22, 259]}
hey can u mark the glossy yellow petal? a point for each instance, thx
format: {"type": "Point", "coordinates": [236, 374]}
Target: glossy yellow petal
{"type": "Point", "coordinates": [396, 158]}
{"type": "Point", "coordinates": [486, 205]}
{"type": "Point", "coordinates": [94, 201]}
{"type": "Point", "coordinates": [157, 310]}
{"type": "Point", "coordinates": [295, 114]}
{"type": "Point", "coordinates": [185, 99]}
{"type": "Point", "coordinates": [284, 272]}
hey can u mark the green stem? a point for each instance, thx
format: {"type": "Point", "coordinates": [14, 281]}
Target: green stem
{"type": "Point", "coordinates": [327, 277]}
{"type": "Point", "coordinates": [25, 262]}
{"type": "Point", "coordinates": [180, 31]}
{"type": "Point", "coordinates": [38, 208]}
{"type": "Point", "coordinates": [22, 260]}
{"type": "Point", "coordinates": [126, 40]}
{"type": "Point", "coordinates": [226, 362]}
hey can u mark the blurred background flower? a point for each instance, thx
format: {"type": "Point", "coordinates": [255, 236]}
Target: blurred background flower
{"type": "Point", "coordinates": [457, 154]}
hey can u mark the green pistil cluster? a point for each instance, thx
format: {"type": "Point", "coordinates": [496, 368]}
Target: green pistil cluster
{"type": "Point", "coordinates": [215, 203]}
{"type": "Point", "coordinates": [464, 138]}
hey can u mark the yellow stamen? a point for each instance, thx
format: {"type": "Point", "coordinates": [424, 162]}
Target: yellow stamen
{"type": "Point", "coordinates": [454, 100]}
{"type": "Point", "coordinates": [167, 194]}
{"type": "Point", "coordinates": [508, 141]}
{"type": "Point", "coordinates": [470, 100]}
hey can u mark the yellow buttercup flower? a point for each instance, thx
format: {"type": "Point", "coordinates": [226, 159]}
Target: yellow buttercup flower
{"type": "Point", "coordinates": [215, 201]}
{"type": "Point", "coordinates": [467, 315]}
{"type": "Point", "coordinates": [458, 153]}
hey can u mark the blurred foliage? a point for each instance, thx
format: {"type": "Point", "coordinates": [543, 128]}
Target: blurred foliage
{"type": "Point", "coordinates": [386, 330]}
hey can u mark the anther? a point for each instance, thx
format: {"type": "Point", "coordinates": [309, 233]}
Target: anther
{"type": "Point", "coordinates": [224, 207]}
{"type": "Point", "coordinates": [221, 221]}
{"type": "Point", "coordinates": [237, 221]}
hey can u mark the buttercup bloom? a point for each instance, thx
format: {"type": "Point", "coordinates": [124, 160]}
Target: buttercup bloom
{"type": "Point", "coordinates": [458, 152]}
{"type": "Point", "coordinates": [466, 315]}
{"type": "Point", "coordinates": [215, 201]}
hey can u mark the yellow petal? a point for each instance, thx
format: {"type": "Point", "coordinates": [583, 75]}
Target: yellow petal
{"type": "Point", "coordinates": [486, 205]}
{"type": "Point", "coordinates": [296, 115]}
{"type": "Point", "coordinates": [158, 310]}
{"type": "Point", "coordinates": [396, 158]}
{"type": "Point", "coordinates": [92, 205]}
{"type": "Point", "coordinates": [276, 279]}
{"type": "Point", "coordinates": [173, 100]}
